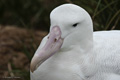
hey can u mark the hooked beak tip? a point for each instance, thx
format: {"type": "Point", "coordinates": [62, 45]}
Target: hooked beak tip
{"type": "Point", "coordinates": [35, 63]}
{"type": "Point", "coordinates": [32, 69]}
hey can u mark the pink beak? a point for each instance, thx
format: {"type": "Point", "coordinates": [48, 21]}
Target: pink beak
{"type": "Point", "coordinates": [52, 45]}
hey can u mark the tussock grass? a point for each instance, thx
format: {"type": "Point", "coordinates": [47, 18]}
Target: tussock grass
{"type": "Point", "coordinates": [35, 13]}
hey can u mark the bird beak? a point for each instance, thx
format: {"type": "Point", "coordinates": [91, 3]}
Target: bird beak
{"type": "Point", "coordinates": [52, 45]}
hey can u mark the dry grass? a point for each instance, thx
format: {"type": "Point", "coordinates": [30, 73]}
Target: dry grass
{"type": "Point", "coordinates": [17, 46]}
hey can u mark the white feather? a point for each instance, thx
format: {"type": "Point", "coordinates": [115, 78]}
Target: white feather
{"type": "Point", "coordinates": [84, 55]}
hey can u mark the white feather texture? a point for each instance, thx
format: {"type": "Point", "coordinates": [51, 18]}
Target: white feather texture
{"type": "Point", "coordinates": [84, 55]}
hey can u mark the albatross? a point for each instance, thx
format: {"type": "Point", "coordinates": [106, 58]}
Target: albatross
{"type": "Point", "coordinates": [72, 51]}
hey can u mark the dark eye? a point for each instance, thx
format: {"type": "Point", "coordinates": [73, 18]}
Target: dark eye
{"type": "Point", "coordinates": [74, 25]}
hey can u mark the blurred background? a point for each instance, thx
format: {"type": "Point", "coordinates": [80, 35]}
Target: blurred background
{"type": "Point", "coordinates": [23, 24]}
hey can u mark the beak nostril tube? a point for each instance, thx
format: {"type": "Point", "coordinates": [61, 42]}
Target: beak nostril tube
{"type": "Point", "coordinates": [47, 37]}
{"type": "Point", "coordinates": [55, 40]}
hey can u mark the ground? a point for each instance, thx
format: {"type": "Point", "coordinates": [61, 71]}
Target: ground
{"type": "Point", "coordinates": [17, 46]}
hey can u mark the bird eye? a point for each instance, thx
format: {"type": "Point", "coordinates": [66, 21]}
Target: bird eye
{"type": "Point", "coordinates": [74, 25]}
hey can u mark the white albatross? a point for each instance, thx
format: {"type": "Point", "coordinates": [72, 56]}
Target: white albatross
{"type": "Point", "coordinates": [72, 51]}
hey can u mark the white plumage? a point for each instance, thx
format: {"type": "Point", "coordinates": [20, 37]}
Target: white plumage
{"type": "Point", "coordinates": [84, 55]}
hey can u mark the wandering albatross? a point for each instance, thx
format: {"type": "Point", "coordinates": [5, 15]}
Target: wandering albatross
{"type": "Point", "coordinates": [72, 51]}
